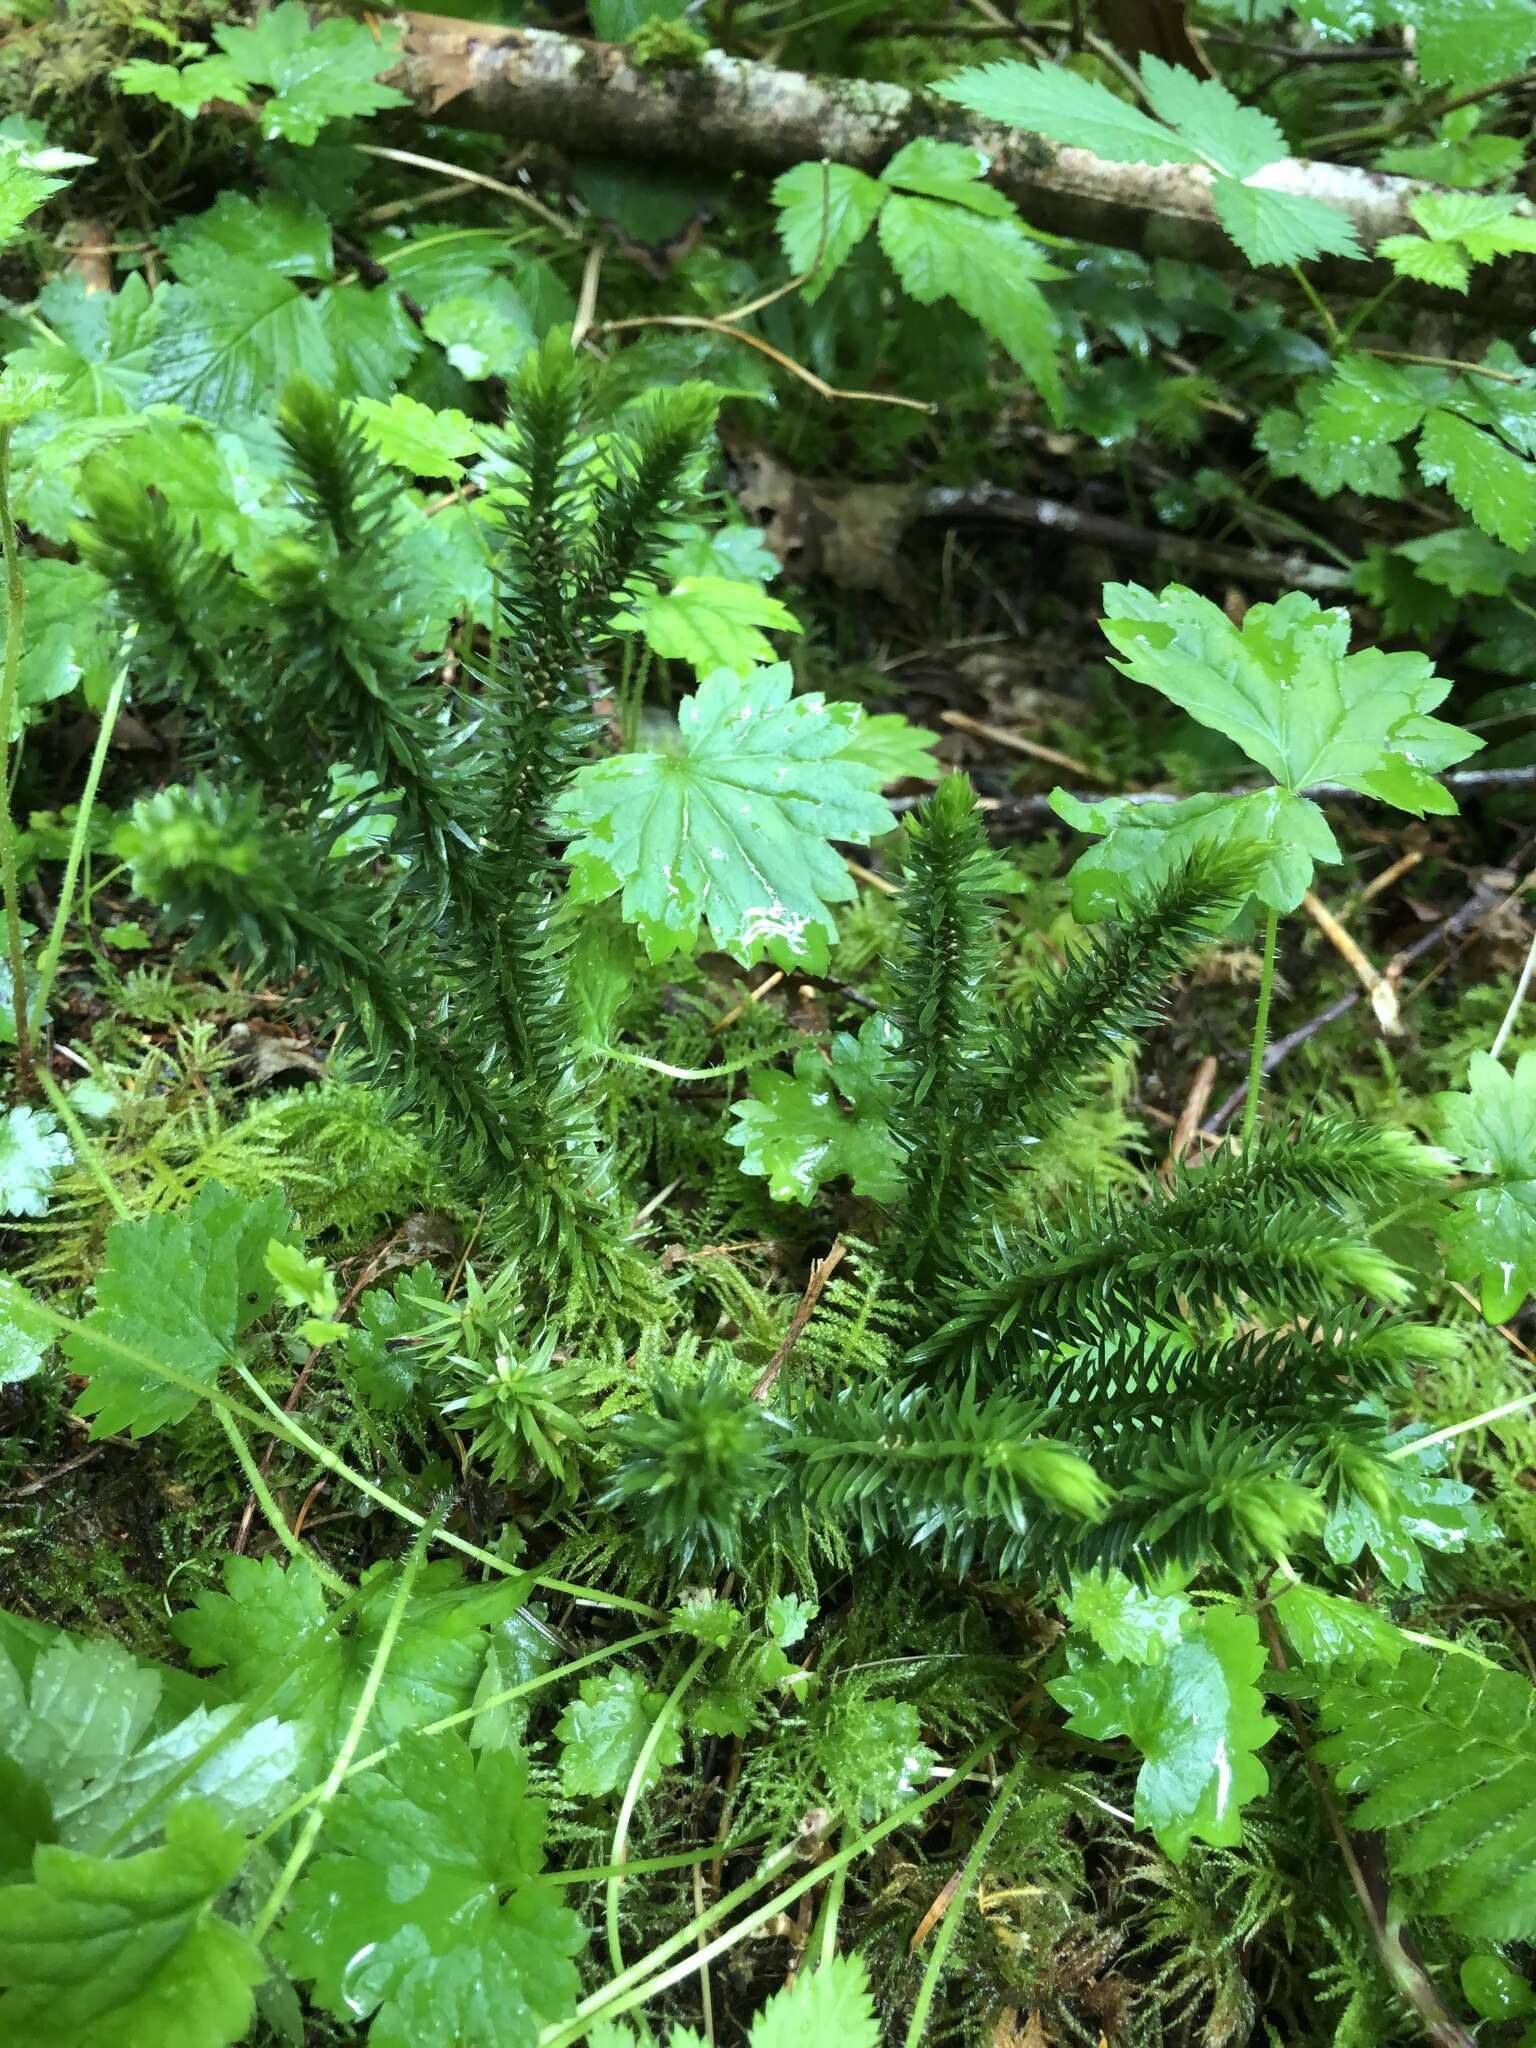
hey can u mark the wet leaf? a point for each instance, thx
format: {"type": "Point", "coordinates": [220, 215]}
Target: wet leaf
{"type": "Point", "coordinates": [731, 833]}
{"type": "Point", "coordinates": [1492, 1233]}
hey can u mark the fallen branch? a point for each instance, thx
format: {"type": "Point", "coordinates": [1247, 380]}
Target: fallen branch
{"type": "Point", "coordinates": [1262, 565]}
{"type": "Point", "coordinates": [733, 114]}
{"type": "Point", "coordinates": [1009, 811]}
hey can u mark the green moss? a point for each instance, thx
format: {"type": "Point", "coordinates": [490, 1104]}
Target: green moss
{"type": "Point", "coordinates": [666, 46]}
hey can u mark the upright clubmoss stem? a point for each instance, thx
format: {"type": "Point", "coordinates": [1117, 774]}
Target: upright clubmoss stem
{"type": "Point", "coordinates": [15, 606]}
{"type": "Point", "coordinates": [1261, 1027]}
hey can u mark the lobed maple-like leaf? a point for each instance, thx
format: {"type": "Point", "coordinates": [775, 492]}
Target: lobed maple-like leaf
{"type": "Point", "coordinates": [422, 1914]}
{"type": "Point", "coordinates": [830, 1117]}
{"type": "Point", "coordinates": [129, 1952]}
{"type": "Point", "coordinates": [1196, 1715]}
{"type": "Point", "coordinates": [603, 1731]}
{"type": "Point", "coordinates": [731, 831]}
{"type": "Point", "coordinates": [1286, 689]}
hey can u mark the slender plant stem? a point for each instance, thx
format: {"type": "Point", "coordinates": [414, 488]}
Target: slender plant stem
{"type": "Point", "coordinates": [632, 1791]}
{"type": "Point", "coordinates": [277, 1521]}
{"type": "Point", "coordinates": [949, 1926]}
{"type": "Point", "coordinates": [292, 1433]}
{"type": "Point", "coordinates": [625, 1992]}
{"type": "Point", "coordinates": [1515, 1001]}
{"type": "Point", "coordinates": [1261, 1027]}
{"type": "Point", "coordinates": [1454, 1429]}
{"type": "Point", "coordinates": [375, 1757]}
{"type": "Point", "coordinates": [298, 1856]}
{"type": "Point", "coordinates": [296, 1434]}
{"type": "Point", "coordinates": [84, 1149]}
{"type": "Point", "coordinates": [824, 1935]}
{"type": "Point", "coordinates": [55, 945]}
{"type": "Point", "coordinates": [16, 603]}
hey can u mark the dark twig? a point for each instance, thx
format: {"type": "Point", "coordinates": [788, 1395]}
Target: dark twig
{"type": "Point", "coordinates": [1051, 515]}
{"type": "Point", "coordinates": [821, 1273]}
{"type": "Point", "coordinates": [1477, 906]}
{"type": "Point", "coordinates": [1009, 811]}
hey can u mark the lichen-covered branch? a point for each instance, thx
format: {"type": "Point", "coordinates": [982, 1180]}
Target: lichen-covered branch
{"type": "Point", "coordinates": [734, 114]}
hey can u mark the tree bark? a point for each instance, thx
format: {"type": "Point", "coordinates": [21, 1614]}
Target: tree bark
{"type": "Point", "coordinates": [729, 113]}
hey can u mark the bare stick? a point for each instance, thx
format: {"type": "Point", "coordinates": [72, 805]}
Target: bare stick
{"type": "Point", "coordinates": [821, 1273]}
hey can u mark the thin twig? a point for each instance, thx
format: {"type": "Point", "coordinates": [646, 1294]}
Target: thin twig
{"type": "Point", "coordinates": [1382, 993]}
{"type": "Point", "coordinates": [1053, 515]}
{"type": "Point", "coordinates": [1000, 737]}
{"type": "Point", "coordinates": [461, 175]}
{"type": "Point", "coordinates": [1401, 355]}
{"type": "Point", "coordinates": [1195, 1105]}
{"type": "Point", "coordinates": [586, 304]}
{"type": "Point", "coordinates": [698, 323]}
{"type": "Point", "coordinates": [821, 1273]}
{"type": "Point", "coordinates": [1379, 884]}
{"type": "Point", "coordinates": [1515, 1001]}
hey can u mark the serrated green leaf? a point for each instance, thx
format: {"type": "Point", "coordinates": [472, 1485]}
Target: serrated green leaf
{"type": "Point", "coordinates": [1144, 843]}
{"type": "Point", "coordinates": [33, 1149]}
{"type": "Point", "coordinates": [1469, 43]}
{"type": "Point", "coordinates": [1128, 1624]}
{"type": "Point", "coordinates": [316, 72]}
{"type": "Point", "coordinates": [946, 170]}
{"type": "Point", "coordinates": [372, 338]}
{"type": "Point", "coordinates": [1211, 119]}
{"type": "Point", "coordinates": [604, 1730]}
{"type": "Point", "coordinates": [179, 1290]}
{"type": "Point", "coordinates": [271, 233]}
{"type": "Point", "coordinates": [825, 211]}
{"type": "Point", "coordinates": [222, 353]}
{"type": "Point", "coordinates": [1486, 479]}
{"type": "Point", "coordinates": [711, 622]}
{"type": "Point", "coordinates": [1441, 1755]}
{"type": "Point", "coordinates": [989, 267]}
{"type": "Point", "coordinates": [416, 438]}
{"type": "Point", "coordinates": [70, 640]}
{"type": "Point", "coordinates": [1284, 687]}
{"type": "Point", "coordinates": [795, 1133]}
{"type": "Point", "coordinates": [827, 2004]}
{"type": "Point", "coordinates": [129, 1953]}
{"type": "Point", "coordinates": [1492, 1230]}
{"type": "Point", "coordinates": [188, 89]}
{"type": "Point", "coordinates": [787, 1617]}
{"type": "Point", "coordinates": [1326, 1630]}
{"type": "Point", "coordinates": [1373, 468]}
{"type": "Point", "coordinates": [25, 1336]}
{"type": "Point", "coordinates": [887, 744]}
{"type": "Point", "coordinates": [80, 1736]}
{"type": "Point", "coordinates": [384, 1364]}
{"type": "Point", "coordinates": [1271, 226]}
{"type": "Point", "coordinates": [732, 832]}
{"type": "Point", "coordinates": [1420, 1508]}
{"type": "Point", "coordinates": [1367, 400]}
{"type": "Point", "coordinates": [1057, 103]}
{"type": "Point", "coordinates": [422, 1914]}
{"type": "Point", "coordinates": [1196, 1717]}
{"type": "Point", "coordinates": [270, 1615]}
{"type": "Point", "coordinates": [1463, 561]}
{"type": "Point", "coordinates": [24, 185]}
{"type": "Point", "coordinates": [97, 350]}
{"type": "Point", "coordinates": [1427, 262]}
{"type": "Point", "coordinates": [871, 1752]}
